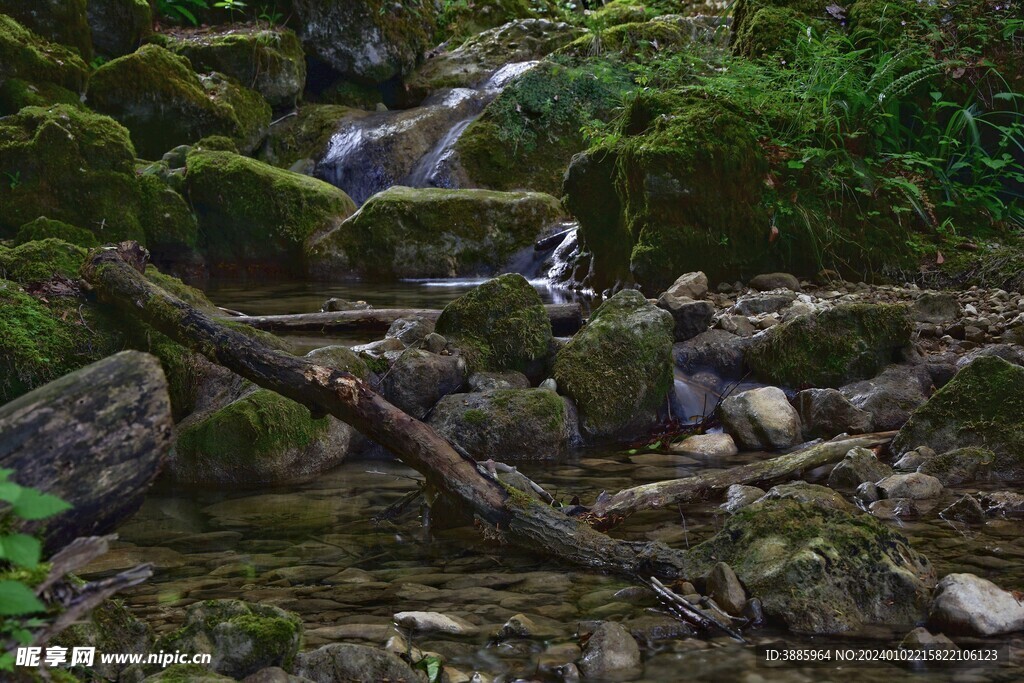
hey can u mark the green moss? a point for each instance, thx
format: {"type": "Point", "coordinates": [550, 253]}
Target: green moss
{"type": "Point", "coordinates": [43, 228]}
{"type": "Point", "coordinates": [41, 260]}
{"type": "Point", "coordinates": [168, 222]}
{"type": "Point", "coordinates": [62, 21]}
{"type": "Point", "coordinates": [304, 136]}
{"type": "Point", "coordinates": [70, 165]}
{"type": "Point", "coordinates": [770, 31]}
{"type": "Point", "coordinates": [250, 212]}
{"type": "Point", "coordinates": [459, 20]}
{"type": "Point", "coordinates": [190, 295]}
{"type": "Point", "coordinates": [16, 94]}
{"type": "Point", "coordinates": [833, 347]}
{"type": "Point", "coordinates": [618, 368]}
{"type": "Point", "coordinates": [26, 56]}
{"type": "Point", "coordinates": [545, 407]}
{"type": "Point", "coordinates": [474, 416]}
{"type": "Point", "coordinates": [216, 143]}
{"type": "Point", "coordinates": [268, 634]}
{"type": "Point", "coordinates": [188, 673]}
{"type": "Point", "coordinates": [500, 325]}
{"type": "Point", "coordinates": [250, 113]}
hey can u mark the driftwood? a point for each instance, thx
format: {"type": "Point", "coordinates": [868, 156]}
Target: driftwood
{"type": "Point", "coordinates": [95, 438]}
{"type": "Point", "coordinates": [512, 516]}
{"type": "Point", "coordinates": [609, 510]}
{"type": "Point", "coordinates": [685, 611]}
{"type": "Point", "coordinates": [565, 319]}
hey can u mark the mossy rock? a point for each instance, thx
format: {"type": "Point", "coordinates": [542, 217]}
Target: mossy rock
{"type": "Point", "coordinates": [833, 347]}
{"type": "Point", "coordinates": [770, 27]}
{"type": "Point", "coordinates": [16, 94]}
{"type": "Point", "coordinates": [70, 165]}
{"type": "Point", "coordinates": [639, 41]}
{"type": "Point", "coordinates": [41, 340]}
{"type": "Point", "coordinates": [970, 464]}
{"type": "Point", "coordinates": [500, 325]}
{"type": "Point", "coordinates": [39, 260]}
{"type": "Point", "coordinates": [980, 407]}
{"type": "Point", "coordinates": [433, 232]}
{"type": "Point", "coordinates": [618, 369]}
{"type": "Point", "coordinates": [242, 637]}
{"type": "Point", "coordinates": [170, 226]}
{"type": "Point", "coordinates": [268, 60]}
{"type": "Point", "coordinates": [111, 627]}
{"type": "Point", "coordinates": [32, 59]}
{"type": "Point", "coordinates": [61, 21]}
{"type": "Point", "coordinates": [822, 570]}
{"type": "Point", "coordinates": [508, 424]}
{"type": "Point", "coordinates": [187, 673]}
{"type": "Point", "coordinates": [119, 26]}
{"type": "Point", "coordinates": [526, 137]}
{"type": "Point", "coordinates": [251, 213]}
{"type": "Point", "coordinates": [369, 41]}
{"type": "Point", "coordinates": [305, 135]}
{"type": "Point", "coordinates": [164, 103]}
{"type": "Point", "coordinates": [45, 228]}
{"type": "Point", "coordinates": [459, 21]}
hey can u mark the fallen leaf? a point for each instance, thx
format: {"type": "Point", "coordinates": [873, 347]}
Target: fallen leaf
{"type": "Point", "coordinates": [939, 258]}
{"type": "Point", "coordinates": [774, 235]}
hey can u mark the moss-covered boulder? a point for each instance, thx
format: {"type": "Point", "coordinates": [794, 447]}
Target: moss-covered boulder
{"type": "Point", "coordinates": [251, 213]}
{"type": "Point", "coordinates": [170, 227]}
{"type": "Point", "coordinates": [981, 407]}
{"type": "Point", "coordinates": [164, 103]}
{"type": "Point", "coordinates": [242, 637]}
{"type": "Point", "coordinates": [371, 41]}
{"type": "Point", "coordinates": [44, 228]}
{"type": "Point", "coordinates": [187, 673]}
{"type": "Point", "coordinates": [111, 627]}
{"type": "Point", "coordinates": [970, 464]}
{"type": "Point", "coordinates": [432, 232]}
{"type": "Point", "coordinates": [508, 424]}
{"type": "Point", "coordinates": [832, 347]}
{"type": "Point", "coordinates": [118, 27]}
{"type": "Point", "coordinates": [526, 137]}
{"type": "Point", "coordinates": [62, 21]}
{"type": "Point", "coordinates": [459, 21]}
{"type": "Point", "coordinates": [618, 369]}
{"type": "Point", "coordinates": [500, 325]}
{"type": "Point", "coordinates": [268, 60]}
{"type": "Point", "coordinates": [302, 138]}
{"type": "Point", "coordinates": [36, 72]}
{"type": "Point", "coordinates": [640, 40]}
{"type": "Point", "coordinates": [40, 260]}
{"type": "Point", "coordinates": [70, 165]}
{"type": "Point", "coordinates": [472, 62]}
{"type": "Point", "coordinates": [822, 570]}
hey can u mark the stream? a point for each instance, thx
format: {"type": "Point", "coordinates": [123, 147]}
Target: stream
{"type": "Point", "coordinates": [315, 549]}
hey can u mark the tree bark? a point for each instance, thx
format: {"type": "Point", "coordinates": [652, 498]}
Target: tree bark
{"type": "Point", "coordinates": [566, 319]}
{"type": "Point", "coordinates": [609, 510]}
{"type": "Point", "coordinates": [514, 517]}
{"type": "Point", "coordinates": [96, 438]}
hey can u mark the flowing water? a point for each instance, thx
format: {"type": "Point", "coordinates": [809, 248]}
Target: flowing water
{"type": "Point", "coordinates": [315, 548]}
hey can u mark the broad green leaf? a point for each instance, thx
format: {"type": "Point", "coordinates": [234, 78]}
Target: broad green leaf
{"type": "Point", "coordinates": [20, 549]}
{"type": "Point", "coordinates": [9, 491]}
{"type": "Point", "coordinates": [16, 599]}
{"type": "Point", "coordinates": [35, 505]}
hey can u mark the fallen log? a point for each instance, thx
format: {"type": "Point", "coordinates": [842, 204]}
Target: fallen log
{"type": "Point", "coordinates": [512, 516]}
{"type": "Point", "coordinates": [610, 510]}
{"type": "Point", "coordinates": [566, 320]}
{"type": "Point", "coordinates": [95, 438]}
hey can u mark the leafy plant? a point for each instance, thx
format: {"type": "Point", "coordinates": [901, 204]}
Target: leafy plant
{"type": "Point", "coordinates": [14, 179]}
{"type": "Point", "coordinates": [20, 561]}
{"type": "Point", "coordinates": [269, 15]}
{"type": "Point", "coordinates": [180, 10]}
{"type": "Point", "coordinates": [231, 6]}
{"type": "Point", "coordinates": [431, 666]}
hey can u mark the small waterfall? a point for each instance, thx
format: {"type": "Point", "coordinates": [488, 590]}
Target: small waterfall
{"type": "Point", "coordinates": [432, 170]}
{"type": "Point", "coordinates": [506, 74]}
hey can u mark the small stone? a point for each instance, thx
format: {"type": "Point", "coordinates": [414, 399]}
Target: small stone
{"type": "Point", "coordinates": [754, 611]}
{"type": "Point", "coordinates": [739, 496]}
{"type": "Point", "coordinates": [518, 626]}
{"type": "Point", "coordinates": [611, 653]}
{"type": "Point", "coordinates": [858, 466]}
{"type": "Point", "coordinates": [936, 307]}
{"type": "Point", "coordinates": [969, 604]}
{"type": "Point", "coordinates": [334, 305]}
{"type": "Point", "coordinates": [488, 381]}
{"type": "Point", "coordinates": [550, 384]}
{"type": "Point", "coordinates": [909, 461]}
{"type": "Point", "coordinates": [769, 281]}
{"type": "Point", "coordinates": [893, 508]}
{"type": "Point", "coordinates": [691, 285]}
{"type": "Point", "coordinates": [761, 419]}
{"type": "Point", "coordinates": [967, 510]}
{"type": "Point", "coordinates": [725, 589]}
{"type": "Point", "coordinates": [825, 413]}
{"type": "Point", "coordinates": [434, 343]}
{"type": "Point", "coordinates": [757, 304]}
{"type": "Point", "coordinates": [915, 486]}
{"type": "Point", "coordinates": [707, 445]}
{"type": "Point", "coordinates": [434, 622]}
{"type": "Point", "coordinates": [921, 637]}
{"type": "Point", "coordinates": [737, 324]}
{"type": "Point", "coordinates": [867, 493]}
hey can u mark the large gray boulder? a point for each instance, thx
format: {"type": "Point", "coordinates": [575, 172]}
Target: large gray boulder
{"type": "Point", "coordinates": [858, 466]}
{"type": "Point", "coordinates": [508, 424]}
{"type": "Point", "coordinates": [761, 419]}
{"type": "Point", "coordinates": [118, 27]}
{"type": "Point", "coordinates": [890, 397]}
{"type": "Point", "coordinates": [825, 413]}
{"type": "Point", "coordinates": [970, 605]}
{"type": "Point", "coordinates": [418, 379]}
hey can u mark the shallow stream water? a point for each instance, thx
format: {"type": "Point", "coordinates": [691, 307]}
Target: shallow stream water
{"type": "Point", "coordinates": [315, 548]}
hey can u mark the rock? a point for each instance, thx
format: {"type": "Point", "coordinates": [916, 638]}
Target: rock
{"type": "Point", "coordinates": [894, 508]}
{"type": "Point", "coordinates": [336, 304]}
{"type": "Point", "coordinates": [158, 97]}
{"type": "Point", "coordinates": [268, 60]}
{"type": "Point", "coordinates": [811, 494]}
{"type": "Point", "coordinates": [737, 324]}
{"type": "Point", "coordinates": [489, 381]}
{"type": "Point", "coordinates": [406, 232]}
{"type": "Point", "coordinates": [518, 626]}
{"type": "Point", "coordinates": [410, 330]}
{"type": "Point", "coordinates": [738, 497]}
{"type": "Point", "coordinates": [964, 465]}
{"type": "Point", "coordinates": [254, 214]}
{"type": "Point", "coordinates": [618, 368]}
{"type": "Point", "coordinates": [366, 42]}
{"type": "Point", "coordinates": [434, 622]}
{"type": "Point", "coordinates": [691, 317]}
{"type": "Point", "coordinates": [833, 347]}
{"type": "Point", "coordinates": [758, 304]}
{"type": "Point", "coordinates": [825, 413]}
{"type": "Point", "coordinates": [193, 673]}
{"type": "Point", "coordinates": [967, 509]}
{"type": "Point", "coordinates": [892, 396]}
{"type": "Point", "coordinates": [242, 637]}
{"type": "Point", "coordinates": [936, 307]}
{"type": "Point", "coordinates": [981, 407]}
{"type": "Point", "coordinates": [508, 424]}
{"type": "Point", "coordinates": [911, 460]}
{"type": "Point", "coordinates": [1008, 504]}
{"type": "Point", "coordinates": [769, 281]}
{"type": "Point", "coordinates": [1011, 353]}
{"type": "Point", "coordinates": [346, 662]}
{"type": "Point", "coordinates": [716, 350]}
{"type": "Point", "coordinates": [109, 628]}
{"type": "Point", "coordinates": [858, 466]}
{"type": "Point", "coordinates": [297, 141]}
{"type": "Point", "coordinates": [915, 486]}
{"type": "Point", "coordinates": [610, 654]}
{"type": "Point", "coordinates": [118, 27]}
{"type": "Point", "coordinates": [273, 674]}
{"type": "Point", "coordinates": [922, 638]}
{"type": "Point", "coordinates": [707, 445]}
{"type": "Point", "coordinates": [761, 419]}
{"type": "Point", "coordinates": [500, 325]}
{"type": "Point", "coordinates": [821, 570]}
{"type": "Point", "coordinates": [418, 380]}
{"type": "Point", "coordinates": [62, 21]}
{"type": "Point", "coordinates": [725, 589]}
{"type": "Point", "coordinates": [690, 286]}
{"type": "Point", "coordinates": [970, 605]}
